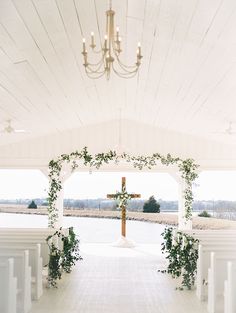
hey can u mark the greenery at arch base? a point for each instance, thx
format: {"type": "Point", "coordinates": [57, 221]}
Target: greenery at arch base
{"type": "Point", "coordinates": [181, 251]}
{"type": "Point", "coordinates": [61, 260]}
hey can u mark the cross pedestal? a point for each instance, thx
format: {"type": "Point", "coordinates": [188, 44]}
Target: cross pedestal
{"type": "Point", "coordinates": [123, 241]}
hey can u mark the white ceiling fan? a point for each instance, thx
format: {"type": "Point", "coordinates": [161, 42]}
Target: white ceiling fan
{"type": "Point", "coordinates": [228, 131]}
{"type": "Point", "coordinates": [9, 129]}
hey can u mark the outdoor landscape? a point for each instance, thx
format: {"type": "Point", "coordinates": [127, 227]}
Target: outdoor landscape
{"type": "Point", "coordinates": [224, 209]}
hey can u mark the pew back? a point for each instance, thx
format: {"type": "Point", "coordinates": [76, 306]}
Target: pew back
{"type": "Point", "coordinates": [217, 274]}
{"type": "Point", "coordinates": [8, 286]}
{"type": "Point", "coordinates": [230, 287]}
{"type": "Point", "coordinates": [22, 272]}
{"type": "Point", "coordinates": [35, 262]}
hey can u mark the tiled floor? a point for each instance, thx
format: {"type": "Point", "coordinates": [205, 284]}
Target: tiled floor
{"type": "Point", "coordinates": [118, 280]}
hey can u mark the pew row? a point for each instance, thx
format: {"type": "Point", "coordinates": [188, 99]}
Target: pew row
{"type": "Point", "coordinates": [22, 272]}
{"type": "Point", "coordinates": [203, 263]}
{"type": "Point", "coordinates": [35, 262]}
{"type": "Point", "coordinates": [229, 288]}
{"type": "Point", "coordinates": [32, 235]}
{"type": "Point", "coordinates": [217, 274]}
{"type": "Point", "coordinates": [8, 286]}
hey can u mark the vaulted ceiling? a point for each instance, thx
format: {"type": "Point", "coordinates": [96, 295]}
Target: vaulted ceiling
{"type": "Point", "coordinates": [186, 83]}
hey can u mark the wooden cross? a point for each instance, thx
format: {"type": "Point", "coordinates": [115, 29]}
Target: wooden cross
{"type": "Point", "coordinates": [123, 207]}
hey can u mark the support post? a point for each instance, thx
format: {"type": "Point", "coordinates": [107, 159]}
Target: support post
{"type": "Point", "coordinates": [60, 207]}
{"type": "Point", "coordinates": [183, 223]}
{"type": "Point", "coordinates": [123, 211]}
{"type": "Point", "coordinates": [64, 175]}
{"type": "Point", "coordinates": [123, 227]}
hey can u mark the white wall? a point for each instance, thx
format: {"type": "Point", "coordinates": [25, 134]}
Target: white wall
{"type": "Point", "coordinates": [136, 138]}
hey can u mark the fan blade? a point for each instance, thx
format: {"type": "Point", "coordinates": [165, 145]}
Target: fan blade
{"type": "Point", "coordinates": [20, 131]}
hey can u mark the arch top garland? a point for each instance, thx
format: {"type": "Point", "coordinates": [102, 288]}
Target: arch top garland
{"type": "Point", "coordinates": [187, 168]}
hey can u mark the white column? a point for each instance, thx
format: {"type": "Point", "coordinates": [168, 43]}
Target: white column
{"type": "Point", "coordinates": [60, 207]}
{"type": "Point", "coordinates": [183, 223]}
{"type": "Point", "coordinates": [65, 174]}
{"type": "Point", "coordinates": [45, 172]}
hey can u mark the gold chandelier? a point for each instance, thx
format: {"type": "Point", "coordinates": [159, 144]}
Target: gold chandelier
{"type": "Point", "coordinates": [110, 53]}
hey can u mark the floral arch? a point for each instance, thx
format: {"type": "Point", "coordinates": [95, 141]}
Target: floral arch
{"type": "Point", "coordinates": [187, 169]}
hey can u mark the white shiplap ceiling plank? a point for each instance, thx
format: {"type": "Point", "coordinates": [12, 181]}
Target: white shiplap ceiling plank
{"type": "Point", "coordinates": [24, 41]}
{"type": "Point", "coordinates": [30, 13]}
{"type": "Point", "coordinates": [9, 47]}
{"type": "Point", "coordinates": [215, 65]}
{"type": "Point", "coordinates": [198, 53]}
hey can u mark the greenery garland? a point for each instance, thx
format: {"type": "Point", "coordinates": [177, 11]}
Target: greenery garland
{"type": "Point", "coordinates": [181, 251]}
{"type": "Point", "coordinates": [186, 167]}
{"type": "Point", "coordinates": [61, 260]}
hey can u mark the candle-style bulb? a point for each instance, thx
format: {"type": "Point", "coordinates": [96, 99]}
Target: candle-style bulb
{"type": "Point", "coordinates": [139, 49]}
{"type": "Point", "coordinates": [84, 48]}
{"type": "Point", "coordinates": [105, 44]}
{"type": "Point", "coordinates": [92, 41]}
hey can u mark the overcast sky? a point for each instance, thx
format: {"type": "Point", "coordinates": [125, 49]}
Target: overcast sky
{"type": "Point", "coordinates": [16, 184]}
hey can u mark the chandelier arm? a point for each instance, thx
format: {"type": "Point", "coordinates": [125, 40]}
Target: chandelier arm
{"type": "Point", "coordinates": [90, 70]}
{"type": "Point", "coordinates": [92, 74]}
{"type": "Point", "coordinates": [125, 75]}
{"type": "Point", "coordinates": [97, 51]}
{"type": "Point", "coordinates": [127, 72]}
{"type": "Point", "coordinates": [96, 64]}
{"type": "Point", "coordinates": [94, 70]}
{"type": "Point", "coordinates": [124, 65]}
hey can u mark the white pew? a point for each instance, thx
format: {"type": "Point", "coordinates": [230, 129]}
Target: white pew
{"type": "Point", "coordinates": [32, 230]}
{"type": "Point", "coordinates": [203, 263]}
{"type": "Point", "coordinates": [35, 262]}
{"type": "Point", "coordinates": [217, 273]}
{"type": "Point", "coordinates": [18, 240]}
{"type": "Point", "coordinates": [8, 287]}
{"type": "Point", "coordinates": [211, 231]}
{"type": "Point", "coordinates": [45, 232]}
{"type": "Point", "coordinates": [32, 235]}
{"type": "Point", "coordinates": [22, 272]}
{"type": "Point", "coordinates": [229, 288]}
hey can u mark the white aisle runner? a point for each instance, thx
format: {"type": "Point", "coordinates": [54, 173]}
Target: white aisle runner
{"type": "Point", "coordinates": [118, 280]}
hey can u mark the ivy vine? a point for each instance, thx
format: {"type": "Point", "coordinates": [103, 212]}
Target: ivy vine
{"type": "Point", "coordinates": [70, 251]}
{"type": "Point", "coordinates": [62, 260]}
{"type": "Point", "coordinates": [54, 266]}
{"type": "Point", "coordinates": [181, 251]}
{"type": "Point", "coordinates": [186, 167]}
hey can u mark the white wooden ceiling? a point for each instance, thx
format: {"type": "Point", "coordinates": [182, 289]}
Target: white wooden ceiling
{"type": "Point", "coordinates": [186, 83]}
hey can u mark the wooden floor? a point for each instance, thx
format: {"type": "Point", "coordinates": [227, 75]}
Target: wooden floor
{"type": "Point", "coordinates": [118, 280]}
